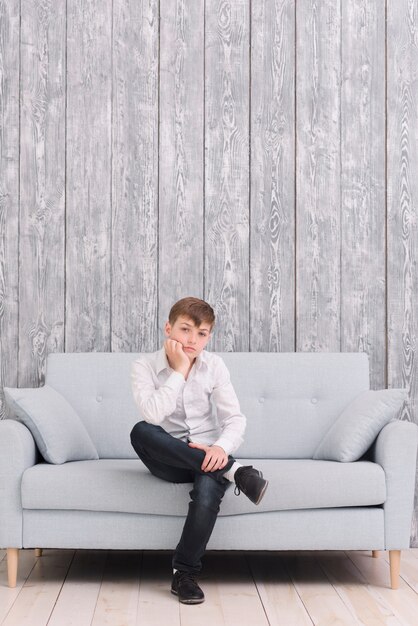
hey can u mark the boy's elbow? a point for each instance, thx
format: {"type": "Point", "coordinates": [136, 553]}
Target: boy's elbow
{"type": "Point", "coordinates": [147, 414]}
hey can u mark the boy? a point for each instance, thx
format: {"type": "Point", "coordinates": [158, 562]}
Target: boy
{"type": "Point", "coordinates": [179, 439]}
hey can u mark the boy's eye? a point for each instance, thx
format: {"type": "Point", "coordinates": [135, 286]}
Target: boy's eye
{"type": "Point", "coordinates": [201, 334]}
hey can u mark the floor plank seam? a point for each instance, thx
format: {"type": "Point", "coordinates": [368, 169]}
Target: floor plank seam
{"type": "Point", "coordinates": [256, 586]}
{"type": "Point", "coordinates": [369, 586]}
{"type": "Point", "coordinates": [62, 584]}
{"type": "Point", "coordinates": [141, 569]}
{"type": "Point", "coordinates": [317, 560]}
{"type": "Point", "coordinates": [20, 590]}
{"type": "Point", "coordinates": [100, 587]}
{"type": "Point", "coordinates": [286, 568]}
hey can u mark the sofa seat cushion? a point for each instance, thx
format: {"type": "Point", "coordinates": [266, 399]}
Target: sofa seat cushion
{"type": "Point", "coordinates": [126, 485]}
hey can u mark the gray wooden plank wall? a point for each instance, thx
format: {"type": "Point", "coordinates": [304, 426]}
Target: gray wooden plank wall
{"type": "Point", "coordinates": [261, 155]}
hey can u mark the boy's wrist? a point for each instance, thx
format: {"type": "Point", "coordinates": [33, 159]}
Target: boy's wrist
{"type": "Point", "coordinates": [224, 443]}
{"type": "Point", "coordinates": [181, 371]}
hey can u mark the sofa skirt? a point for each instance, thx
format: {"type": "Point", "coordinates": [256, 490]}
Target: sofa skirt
{"type": "Point", "coordinates": [353, 528]}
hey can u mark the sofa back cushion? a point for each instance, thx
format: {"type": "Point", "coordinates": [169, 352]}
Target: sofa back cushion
{"type": "Point", "coordinates": [290, 399]}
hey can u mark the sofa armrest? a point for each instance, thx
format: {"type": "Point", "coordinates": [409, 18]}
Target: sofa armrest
{"type": "Point", "coordinates": [18, 451]}
{"type": "Point", "coordinates": [395, 449]}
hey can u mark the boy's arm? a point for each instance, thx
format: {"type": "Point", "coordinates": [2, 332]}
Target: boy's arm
{"type": "Point", "coordinates": [154, 404]}
{"type": "Point", "coordinates": [230, 418]}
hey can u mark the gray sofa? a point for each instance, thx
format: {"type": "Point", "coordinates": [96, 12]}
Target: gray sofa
{"type": "Point", "coordinates": [290, 401]}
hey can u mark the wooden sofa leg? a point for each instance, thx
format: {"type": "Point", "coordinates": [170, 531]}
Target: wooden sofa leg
{"type": "Point", "coordinates": [38, 551]}
{"type": "Point", "coordinates": [375, 554]}
{"type": "Point", "coordinates": [12, 559]}
{"type": "Point", "coordinates": [395, 564]}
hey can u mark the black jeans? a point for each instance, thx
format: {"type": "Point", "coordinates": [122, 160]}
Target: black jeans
{"type": "Point", "coordinates": [171, 459]}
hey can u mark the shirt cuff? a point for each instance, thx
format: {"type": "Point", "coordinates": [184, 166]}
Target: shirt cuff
{"type": "Point", "coordinates": [224, 443]}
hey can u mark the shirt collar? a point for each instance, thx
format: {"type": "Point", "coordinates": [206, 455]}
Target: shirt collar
{"type": "Point", "coordinates": [162, 361]}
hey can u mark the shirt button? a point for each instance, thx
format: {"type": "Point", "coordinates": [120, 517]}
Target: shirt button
{"type": "Point", "coordinates": [314, 400]}
{"type": "Point", "coordinates": [261, 400]}
{"type": "Point", "coordinates": [99, 398]}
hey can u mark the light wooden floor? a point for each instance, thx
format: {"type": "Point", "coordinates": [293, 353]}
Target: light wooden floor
{"type": "Point", "coordinates": [99, 587]}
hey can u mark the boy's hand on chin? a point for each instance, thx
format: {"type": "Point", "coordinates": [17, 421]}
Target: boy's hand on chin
{"type": "Point", "coordinates": [215, 458]}
{"type": "Point", "coordinates": [177, 357]}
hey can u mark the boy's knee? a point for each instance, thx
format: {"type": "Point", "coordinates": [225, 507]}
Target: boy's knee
{"type": "Point", "coordinates": [139, 430]}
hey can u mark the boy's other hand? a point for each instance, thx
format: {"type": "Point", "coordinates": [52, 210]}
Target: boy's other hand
{"type": "Point", "coordinates": [215, 458]}
{"type": "Point", "coordinates": [176, 356]}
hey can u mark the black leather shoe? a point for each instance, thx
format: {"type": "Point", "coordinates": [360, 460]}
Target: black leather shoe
{"type": "Point", "coordinates": [186, 588]}
{"type": "Point", "coordinates": [251, 482]}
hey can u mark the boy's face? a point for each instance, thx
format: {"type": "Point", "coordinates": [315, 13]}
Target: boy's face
{"type": "Point", "coordinates": [185, 331]}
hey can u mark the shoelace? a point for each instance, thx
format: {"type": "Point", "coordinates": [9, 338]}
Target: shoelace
{"type": "Point", "coordinates": [236, 486]}
{"type": "Point", "coordinates": [188, 576]}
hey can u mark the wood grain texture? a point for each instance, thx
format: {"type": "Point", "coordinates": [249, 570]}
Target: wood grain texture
{"type": "Point", "coordinates": [42, 185]}
{"type": "Point", "coordinates": [318, 171]}
{"type": "Point", "coordinates": [9, 195]}
{"type": "Point", "coordinates": [39, 596]}
{"type": "Point", "coordinates": [309, 580]}
{"type": "Point", "coordinates": [227, 170]}
{"type": "Point", "coordinates": [88, 144]}
{"type": "Point", "coordinates": [134, 254]}
{"type": "Point", "coordinates": [181, 162]}
{"type": "Point", "coordinates": [26, 564]}
{"type": "Point", "coordinates": [80, 596]}
{"type": "Point", "coordinates": [402, 202]}
{"type": "Point", "coordinates": [122, 600]}
{"type": "Point", "coordinates": [272, 250]}
{"type": "Point", "coordinates": [363, 207]}
{"type": "Point", "coordinates": [277, 589]}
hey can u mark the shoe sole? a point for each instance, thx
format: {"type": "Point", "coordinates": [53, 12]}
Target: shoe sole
{"type": "Point", "coordinates": [262, 492]}
{"type": "Point", "coordinates": [190, 601]}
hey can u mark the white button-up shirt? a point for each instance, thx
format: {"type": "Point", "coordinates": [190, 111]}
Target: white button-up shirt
{"type": "Point", "coordinates": [184, 408]}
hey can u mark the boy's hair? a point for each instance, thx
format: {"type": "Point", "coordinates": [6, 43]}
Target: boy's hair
{"type": "Point", "coordinates": [198, 310]}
